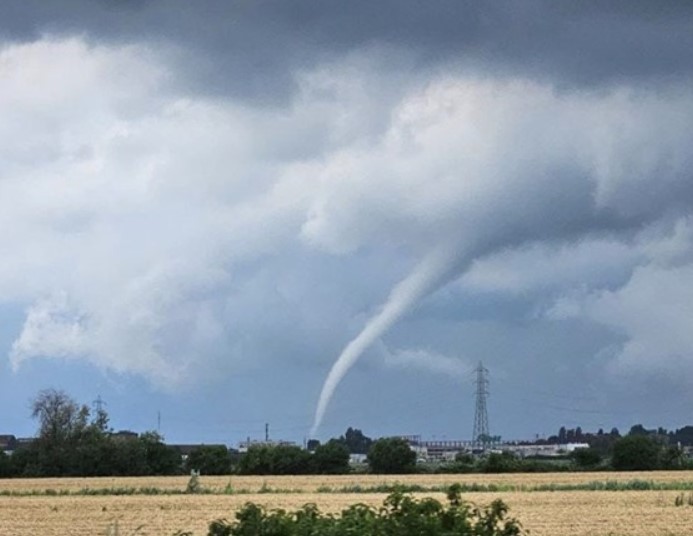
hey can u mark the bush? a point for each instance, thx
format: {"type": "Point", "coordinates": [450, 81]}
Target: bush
{"type": "Point", "coordinates": [275, 460]}
{"type": "Point", "coordinates": [332, 458]}
{"type": "Point", "coordinates": [501, 463]}
{"type": "Point", "coordinates": [636, 453]}
{"type": "Point", "coordinates": [400, 515]}
{"type": "Point", "coordinates": [586, 458]}
{"type": "Point", "coordinates": [209, 460]}
{"type": "Point", "coordinates": [391, 455]}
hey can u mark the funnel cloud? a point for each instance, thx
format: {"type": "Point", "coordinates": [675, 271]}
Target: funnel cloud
{"type": "Point", "coordinates": [429, 275]}
{"type": "Point", "coordinates": [202, 204]}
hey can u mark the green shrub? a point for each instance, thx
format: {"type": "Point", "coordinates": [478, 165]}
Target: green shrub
{"type": "Point", "coordinates": [586, 458]}
{"type": "Point", "coordinates": [636, 453]}
{"type": "Point", "coordinates": [400, 515]}
{"type": "Point", "coordinates": [501, 463]}
{"type": "Point", "coordinates": [391, 455]}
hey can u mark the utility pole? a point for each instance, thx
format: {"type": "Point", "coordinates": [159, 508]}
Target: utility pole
{"type": "Point", "coordinates": [481, 437]}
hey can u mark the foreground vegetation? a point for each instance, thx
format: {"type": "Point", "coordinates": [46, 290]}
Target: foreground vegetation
{"type": "Point", "coordinates": [400, 515]}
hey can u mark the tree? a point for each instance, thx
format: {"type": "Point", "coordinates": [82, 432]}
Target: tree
{"type": "Point", "coordinates": [62, 422]}
{"type": "Point", "coordinates": [673, 457]}
{"type": "Point", "coordinates": [505, 462]}
{"type": "Point", "coordinates": [59, 416]}
{"type": "Point", "coordinates": [290, 460]}
{"type": "Point", "coordinates": [636, 453]}
{"type": "Point", "coordinates": [209, 460]}
{"type": "Point", "coordinates": [5, 467]}
{"type": "Point", "coordinates": [391, 456]}
{"type": "Point", "coordinates": [160, 458]}
{"type": "Point", "coordinates": [332, 458]}
{"type": "Point", "coordinates": [638, 429]}
{"type": "Point", "coordinates": [256, 461]}
{"type": "Point", "coordinates": [586, 458]}
{"type": "Point", "coordinates": [128, 457]}
{"type": "Point", "coordinates": [356, 442]}
{"type": "Point", "coordinates": [275, 460]}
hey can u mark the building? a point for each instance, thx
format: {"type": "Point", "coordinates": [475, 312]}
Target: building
{"type": "Point", "coordinates": [124, 435]}
{"type": "Point", "coordinates": [8, 443]}
{"type": "Point", "coordinates": [543, 451]}
{"type": "Point", "coordinates": [437, 451]}
{"type": "Point", "coordinates": [243, 446]}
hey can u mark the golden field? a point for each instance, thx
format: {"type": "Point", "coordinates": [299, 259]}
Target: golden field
{"type": "Point", "coordinates": [313, 483]}
{"type": "Point", "coordinates": [573, 513]}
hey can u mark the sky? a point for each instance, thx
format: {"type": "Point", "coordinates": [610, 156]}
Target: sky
{"type": "Point", "coordinates": [205, 205]}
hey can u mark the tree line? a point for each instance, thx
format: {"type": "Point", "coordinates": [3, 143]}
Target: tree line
{"type": "Point", "coordinates": [74, 441]}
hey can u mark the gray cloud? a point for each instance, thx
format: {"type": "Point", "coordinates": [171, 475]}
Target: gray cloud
{"type": "Point", "coordinates": [253, 49]}
{"type": "Point", "coordinates": [167, 222]}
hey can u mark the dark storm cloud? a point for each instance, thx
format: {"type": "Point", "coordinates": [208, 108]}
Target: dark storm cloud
{"type": "Point", "coordinates": [542, 147]}
{"type": "Point", "coordinates": [249, 48]}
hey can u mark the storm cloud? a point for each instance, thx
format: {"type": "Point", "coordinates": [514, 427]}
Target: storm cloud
{"type": "Point", "coordinates": [190, 192]}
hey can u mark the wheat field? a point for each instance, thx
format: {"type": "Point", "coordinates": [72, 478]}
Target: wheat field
{"type": "Point", "coordinates": [307, 484]}
{"type": "Point", "coordinates": [575, 513]}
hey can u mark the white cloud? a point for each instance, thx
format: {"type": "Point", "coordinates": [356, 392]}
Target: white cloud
{"type": "Point", "coordinates": [144, 206]}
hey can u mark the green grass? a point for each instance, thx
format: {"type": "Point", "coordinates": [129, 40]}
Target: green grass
{"type": "Point", "coordinates": [596, 485]}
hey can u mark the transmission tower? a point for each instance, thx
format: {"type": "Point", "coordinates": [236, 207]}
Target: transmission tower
{"type": "Point", "coordinates": [481, 436]}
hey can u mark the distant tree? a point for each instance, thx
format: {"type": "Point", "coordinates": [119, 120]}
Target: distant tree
{"type": "Point", "coordinates": [160, 458]}
{"type": "Point", "coordinates": [586, 458]}
{"type": "Point", "coordinates": [465, 457]}
{"type": "Point", "coordinates": [256, 461]}
{"type": "Point", "coordinates": [636, 453]}
{"type": "Point", "coordinates": [275, 460]}
{"type": "Point", "coordinates": [683, 435]}
{"type": "Point", "coordinates": [332, 458]}
{"type": "Point", "coordinates": [464, 463]}
{"type": "Point", "coordinates": [209, 460]}
{"type": "Point", "coordinates": [5, 467]}
{"type": "Point", "coordinates": [129, 457]}
{"type": "Point", "coordinates": [59, 416]}
{"type": "Point", "coordinates": [312, 444]}
{"type": "Point", "coordinates": [92, 453]}
{"type": "Point", "coordinates": [290, 460]}
{"type": "Point", "coordinates": [638, 429]}
{"type": "Point", "coordinates": [672, 457]}
{"type": "Point", "coordinates": [62, 423]}
{"type": "Point", "coordinates": [602, 444]}
{"type": "Point", "coordinates": [614, 432]}
{"type": "Point", "coordinates": [562, 435]}
{"type": "Point", "coordinates": [356, 441]}
{"type": "Point", "coordinates": [391, 456]}
{"type": "Point", "coordinates": [505, 462]}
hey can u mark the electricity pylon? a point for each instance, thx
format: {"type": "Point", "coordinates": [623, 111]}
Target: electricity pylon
{"type": "Point", "coordinates": [481, 437]}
